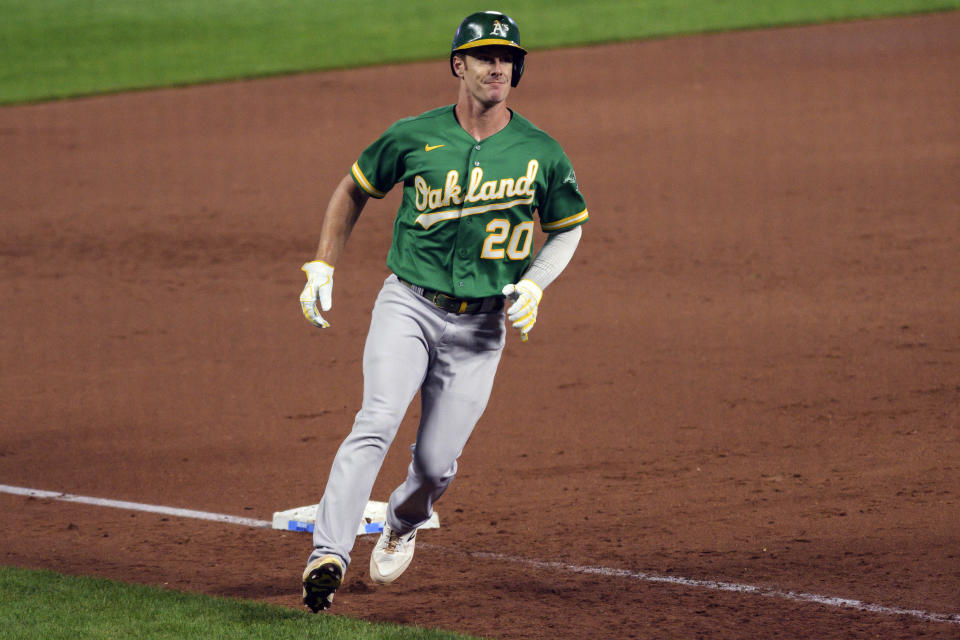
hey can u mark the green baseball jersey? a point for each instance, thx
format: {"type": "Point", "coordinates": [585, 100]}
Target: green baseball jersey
{"type": "Point", "coordinates": [465, 225]}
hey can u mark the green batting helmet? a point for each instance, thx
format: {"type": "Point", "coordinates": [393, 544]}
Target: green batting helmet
{"type": "Point", "coordinates": [487, 29]}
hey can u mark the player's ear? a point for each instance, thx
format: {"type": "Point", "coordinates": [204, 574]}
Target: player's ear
{"type": "Point", "coordinates": [459, 65]}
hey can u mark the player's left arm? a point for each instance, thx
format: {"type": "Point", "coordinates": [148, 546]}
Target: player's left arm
{"type": "Point", "coordinates": [562, 212]}
{"type": "Point", "coordinates": [549, 262]}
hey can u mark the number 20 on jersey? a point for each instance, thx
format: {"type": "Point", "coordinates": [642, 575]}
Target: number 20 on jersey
{"type": "Point", "coordinates": [504, 242]}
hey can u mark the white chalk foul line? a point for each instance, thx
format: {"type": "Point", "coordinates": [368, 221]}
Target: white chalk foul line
{"type": "Point", "coordinates": [714, 585]}
{"type": "Point", "coordinates": [136, 506]}
{"type": "Point", "coordinates": [733, 587]}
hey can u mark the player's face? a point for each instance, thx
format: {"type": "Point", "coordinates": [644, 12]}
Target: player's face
{"type": "Point", "coordinates": [486, 72]}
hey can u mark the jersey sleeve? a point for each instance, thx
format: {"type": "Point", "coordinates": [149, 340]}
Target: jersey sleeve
{"type": "Point", "coordinates": [564, 207]}
{"type": "Point", "coordinates": [380, 165]}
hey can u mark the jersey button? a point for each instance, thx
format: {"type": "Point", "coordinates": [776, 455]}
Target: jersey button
{"type": "Point", "coordinates": [477, 147]}
{"type": "Point", "coordinates": [476, 163]}
{"type": "Point", "coordinates": [463, 254]}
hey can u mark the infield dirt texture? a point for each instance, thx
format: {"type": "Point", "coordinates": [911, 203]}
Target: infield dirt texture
{"type": "Point", "coordinates": [749, 373]}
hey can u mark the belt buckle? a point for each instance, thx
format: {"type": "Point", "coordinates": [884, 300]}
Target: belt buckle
{"type": "Point", "coordinates": [449, 303]}
{"type": "Point", "coordinates": [439, 300]}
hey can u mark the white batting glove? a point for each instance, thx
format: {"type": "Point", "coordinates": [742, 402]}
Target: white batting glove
{"type": "Point", "coordinates": [319, 288]}
{"type": "Point", "coordinates": [523, 312]}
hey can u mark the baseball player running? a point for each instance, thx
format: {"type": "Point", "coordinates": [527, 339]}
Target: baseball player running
{"type": "Point", "coordinates": [473, 175]}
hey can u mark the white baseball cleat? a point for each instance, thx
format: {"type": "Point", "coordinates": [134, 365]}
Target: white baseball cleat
{"type": "Point", "coordinates": [392, 555]}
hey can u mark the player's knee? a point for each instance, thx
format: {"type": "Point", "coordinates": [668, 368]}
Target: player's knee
{"type": "Point", "coordinates": [436, 473]}
{"type": "Point", "coordinates": [378, 423]}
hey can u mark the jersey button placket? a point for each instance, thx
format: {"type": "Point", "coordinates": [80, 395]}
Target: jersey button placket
{"type": "Point", "coordinates": [463, 266]}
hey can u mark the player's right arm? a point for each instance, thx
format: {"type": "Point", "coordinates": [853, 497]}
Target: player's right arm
{"type": "Point", "coordinates": [343, 210]}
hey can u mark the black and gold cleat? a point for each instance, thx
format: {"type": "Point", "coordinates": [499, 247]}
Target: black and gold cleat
{"type": "Point", "coordinates": [321, 579]}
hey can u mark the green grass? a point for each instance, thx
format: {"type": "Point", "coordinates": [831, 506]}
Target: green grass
{"type": "Point", "coordinates": [42, 605]}
{"type": "Point", "coordinates": [59, 48]}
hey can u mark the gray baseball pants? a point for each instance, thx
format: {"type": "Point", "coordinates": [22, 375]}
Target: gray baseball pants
{"type": "Point", "coordinates": [412, 345]}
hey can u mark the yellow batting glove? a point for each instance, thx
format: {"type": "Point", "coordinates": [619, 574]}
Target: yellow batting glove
{"type": "Point", "coordinates": [522, 313]}
{"type": "Point", "coordinates": [319, 288]}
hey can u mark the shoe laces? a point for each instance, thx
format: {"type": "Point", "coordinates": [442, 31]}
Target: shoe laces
{"type": "Point", "coordinates": [396, 542]}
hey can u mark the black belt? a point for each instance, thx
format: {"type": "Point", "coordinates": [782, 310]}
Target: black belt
{"type": "Point", "coordinates": [457, 305]}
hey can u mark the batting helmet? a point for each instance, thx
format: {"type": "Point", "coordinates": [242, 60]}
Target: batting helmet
{"type": "Point", "coordinates": [487, 29]}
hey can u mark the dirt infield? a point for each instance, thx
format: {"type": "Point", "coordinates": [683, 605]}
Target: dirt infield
{"type": "Point", "coordinates": [750, 373]}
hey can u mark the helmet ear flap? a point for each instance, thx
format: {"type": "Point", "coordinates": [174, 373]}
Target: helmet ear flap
{"type": "Point", "coordinates": [518, 64]}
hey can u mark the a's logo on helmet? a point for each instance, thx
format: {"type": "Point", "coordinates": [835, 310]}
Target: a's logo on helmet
{"type": "Point", "coordinates": [500, 29]}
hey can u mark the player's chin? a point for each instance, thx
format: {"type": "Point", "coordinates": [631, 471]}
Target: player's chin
{"type": "Point", "coordinates": [498, 91]}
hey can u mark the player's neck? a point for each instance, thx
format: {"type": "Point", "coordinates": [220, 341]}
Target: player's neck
{"type": "Point", "coordinates": [481, 121]}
